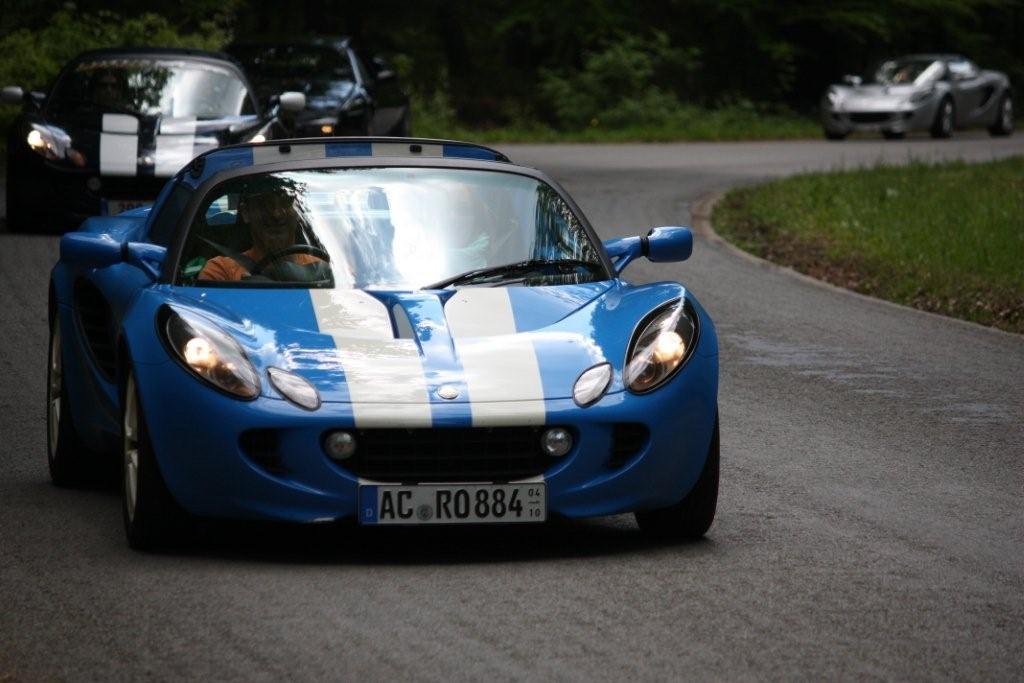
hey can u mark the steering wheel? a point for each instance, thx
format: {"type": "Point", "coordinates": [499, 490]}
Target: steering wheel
{"type": "Point", "coordinates": [289, 251]}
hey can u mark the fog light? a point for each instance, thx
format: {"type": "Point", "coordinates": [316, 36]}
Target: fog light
{"type": "Point", "coordinates": [327, 129]}
{"type": "Point", "coordinates": [556, 442]}
{"type": "Point", "coordinates": [340, 445]}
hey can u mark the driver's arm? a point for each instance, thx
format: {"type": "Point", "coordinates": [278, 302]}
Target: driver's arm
{"type": "Point", "coordinates": [222, 268]}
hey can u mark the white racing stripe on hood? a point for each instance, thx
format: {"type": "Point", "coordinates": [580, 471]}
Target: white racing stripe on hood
{"type": "Point", "coordinates": [384, 375]}
{"type": "Point", "coordinates": [119, 145]}
{"type": "Point", "coordinates": [501, 369]}
{"type": "Point", "coordinates": [175, 145]}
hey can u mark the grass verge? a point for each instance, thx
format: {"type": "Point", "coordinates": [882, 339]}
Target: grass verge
{"type": "Point", "coordinates": [685, 124]}
{"type": "Point", "coordinates": [947, 238]}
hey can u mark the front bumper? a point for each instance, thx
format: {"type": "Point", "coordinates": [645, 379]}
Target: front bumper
{"type": "Point", "coordinates": [63, 196]}
{"type": "Point", "coordinates": [898, 119]}
{"type": "Point", "coordinates": [196, 434]}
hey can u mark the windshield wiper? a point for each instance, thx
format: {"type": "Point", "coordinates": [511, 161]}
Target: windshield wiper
{"type": "Point", "coordinates": [517, 268]}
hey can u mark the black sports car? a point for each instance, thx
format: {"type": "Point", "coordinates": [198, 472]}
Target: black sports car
{"type": "Point", "coordinates": [346, 93]}
{"type": "Point", "coordinates": [117, 123]}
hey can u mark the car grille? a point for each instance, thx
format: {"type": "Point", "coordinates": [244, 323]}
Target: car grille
{"type": "Point", "coordinates": [449, 454]}
{"type": "Point", "coordinates": [870, 117]}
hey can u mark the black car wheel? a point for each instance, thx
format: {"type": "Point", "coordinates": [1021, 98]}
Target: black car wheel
{"type": "Point", "coordinates": [67, 456]}
{"type": "Point", "coordinates": [942, 127]}
{"type": "Point", "coordinates": [691, 517]}
{"type": "Point", "coordinates": [1004, 121]}
{"type": "Point", "coordinates": [152, 518]}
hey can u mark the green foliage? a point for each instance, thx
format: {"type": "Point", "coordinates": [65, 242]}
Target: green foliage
{"type": "Point", "coordinates": [945, 237]}
{"type": "Point", "coordinates": [616, 85]}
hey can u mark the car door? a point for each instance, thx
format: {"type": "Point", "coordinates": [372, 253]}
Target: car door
{"type": "Point", "coordinates": [390, 102]}
{"type": "Point", "coordinates": [967, 87]}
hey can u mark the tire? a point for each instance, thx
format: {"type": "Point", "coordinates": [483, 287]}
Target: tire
{"type": "Point", "coordinates": [690, 518]}
{"type": "Point", "coordinates": [945, 118]}
{"type": "Point", "coordinates": [832, 135]}
{"type": "Point", "coordinates": [152, 518]}
{"type": "Point", "coordinates": [893, 135]}
{"type": "Point", "coordinates": [67, 456]}
{"type": "Point", "coordinates": [1004, 121]}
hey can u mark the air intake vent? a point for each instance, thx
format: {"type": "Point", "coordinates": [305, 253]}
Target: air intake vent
{"type": "Point", "coordinates": [628, 438]}
{"type": "Point", "coordinates": [261, 446]}
{"type": "Point", "coordinates": [449, 454]}
{"type": "Point", "coordinates": [97, 324]}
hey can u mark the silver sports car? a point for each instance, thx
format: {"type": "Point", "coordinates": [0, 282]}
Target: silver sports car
{"type": "Point", "coordinates": [937, 93]}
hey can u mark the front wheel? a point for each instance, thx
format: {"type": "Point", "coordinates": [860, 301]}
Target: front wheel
{"type": "Point", "coordinates": [691, 517]}
{"type": "Point", "coordinates": [67, 456]}
{"type": "Point", "coordinates": [1004, 122]}
{"type": "Point", "coordinates": [942, 127]}
{"type": "Point", "coordinates": [152, 517]}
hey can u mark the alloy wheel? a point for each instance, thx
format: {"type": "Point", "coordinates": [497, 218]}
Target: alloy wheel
{"type": "Point", "coordinates": [54, 386]}
{"type": "Point", "coordinates": [131, 448]}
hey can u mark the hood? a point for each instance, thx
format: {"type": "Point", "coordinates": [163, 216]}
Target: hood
{"type": "Point", "coordinates": [118, 144]}
{"type": "Point", "coordinates": [874, 97]}
{"type": "Point", "coordinates": [385, 350]}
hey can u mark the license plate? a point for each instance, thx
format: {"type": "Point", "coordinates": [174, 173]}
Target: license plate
{"type": "Point", "coordinates": [452, 503]}
{"type": "Point", "coordinates": [112, 207]}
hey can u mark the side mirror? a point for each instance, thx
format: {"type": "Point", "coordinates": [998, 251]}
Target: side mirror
{"type": "Point", "coordinates": [292, 101]}
{"type": "Point", "coordinates": [91, 250]}
{"type": "Point", "coordinates": [660, 245]}
{"type": "Point", "coordinates": [668, 244]}
{"type": "Point", "coordinates": [853, 80]}
{"type": "Point", "coordinates": [12, 94]}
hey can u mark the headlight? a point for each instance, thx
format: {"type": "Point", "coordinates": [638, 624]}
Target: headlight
{"type": "Point", "coordinates": [210, 353]}
{"type": "Point", "coordinates": [921, 96]}
{"type": "Point", "coordinates": [296, 389]}
{"type": "Point", "coordinates": [833, 96]}
{"type": "Point", "coordinates": [661, 346]}
{"type": "Point", "coordinates": [53, 144]}
{"type": "Point", "coordinates": [591, 384]}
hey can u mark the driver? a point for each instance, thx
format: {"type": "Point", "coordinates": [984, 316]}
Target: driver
{"type": "Point", "coordinates": [273, 222]}
{"type": "Point", "coordinates": [108, 89]}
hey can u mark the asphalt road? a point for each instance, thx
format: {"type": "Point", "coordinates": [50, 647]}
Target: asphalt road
{"type": "Point", "coordinates": [870, 522]}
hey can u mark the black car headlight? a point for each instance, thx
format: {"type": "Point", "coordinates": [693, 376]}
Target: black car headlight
{"type": "Point", "coordinates": [663, 342]}
{"type": "Point", "coordinates": [209, 352]}
{"type": "Point", "coordinates": [53, 144]}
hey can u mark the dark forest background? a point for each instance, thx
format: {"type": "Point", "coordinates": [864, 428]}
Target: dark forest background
{"type": "Point", "coordinates": [562, 64]}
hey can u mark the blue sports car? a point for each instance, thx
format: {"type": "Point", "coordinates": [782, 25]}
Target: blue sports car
{"type": "Point", "coordinates": [395, 331]}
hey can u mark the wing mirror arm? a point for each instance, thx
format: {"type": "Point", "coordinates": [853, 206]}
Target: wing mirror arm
{"type": "Point", "coordinates": [146, 257]}
{"type": "Point", "coordinates": [101, 250]}
{"type": "Point", "coordinates": [659, 245]}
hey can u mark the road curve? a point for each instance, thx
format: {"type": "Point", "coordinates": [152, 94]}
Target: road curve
{"type": "Point", "coordinates": [870, 521]}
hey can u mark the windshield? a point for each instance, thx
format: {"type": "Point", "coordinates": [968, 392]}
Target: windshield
{"type": "Point", "coordinates": [288, 62]}
{"type": "Point", "coordinates": [150, 87]}
{"type": "Point", "coordinates": [908, 71]}
{"type": "Point", "coordinates": [386, 228]}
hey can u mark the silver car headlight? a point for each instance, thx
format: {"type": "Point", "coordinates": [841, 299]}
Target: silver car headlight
{"type": "Point", "coordinates": [921, 96]}
{"type": "Point", "coordinates": [210, 353]}
{"type": "Point", "coordinates": [662, 344]}
{"type": "Point", "coordinates": [833, 96]}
